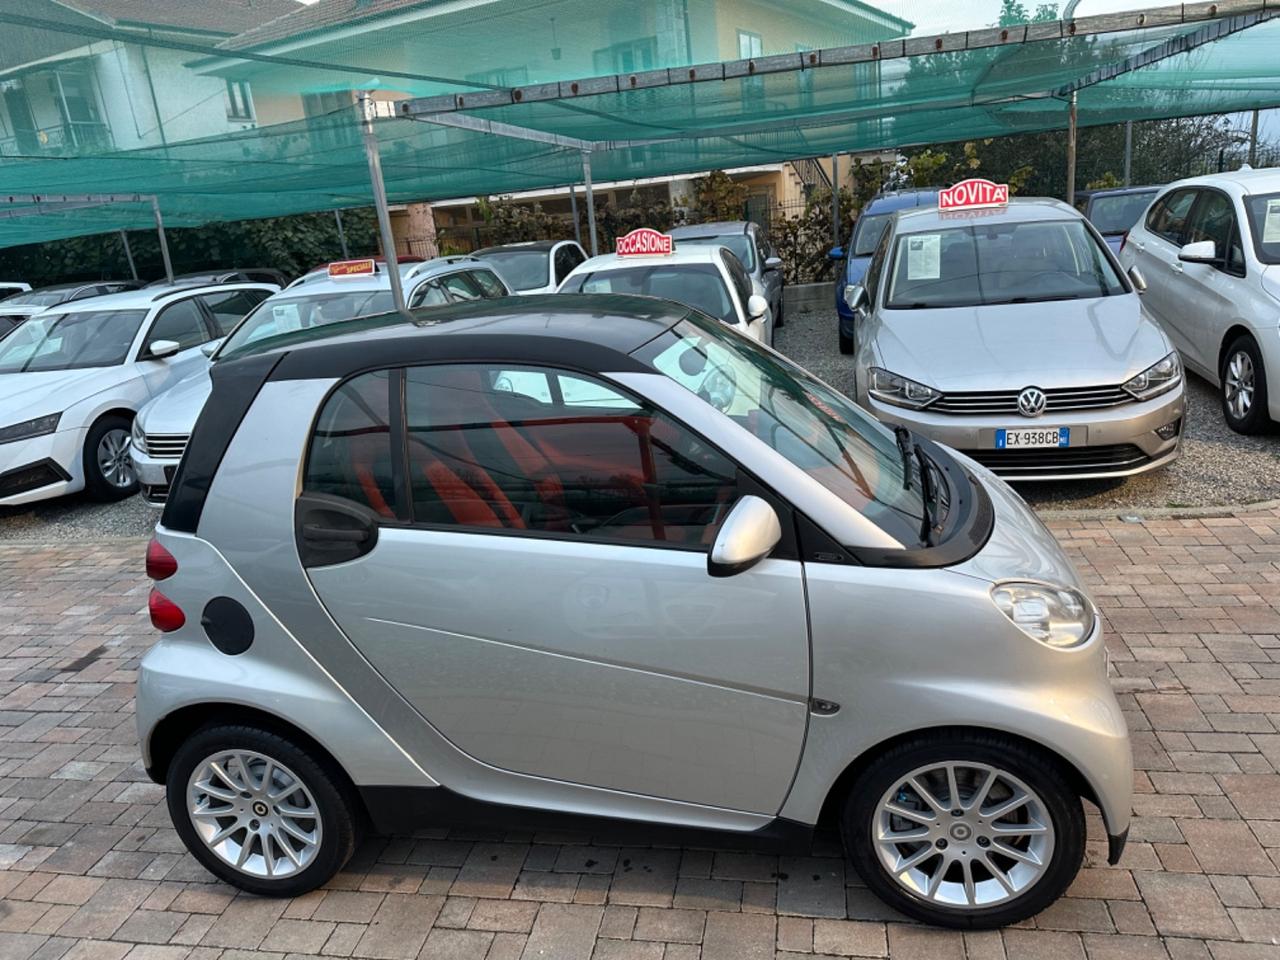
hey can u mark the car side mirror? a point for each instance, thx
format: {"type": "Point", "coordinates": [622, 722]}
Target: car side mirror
{"type": "Point", "coordinates": [772, 264]}
{"type": "Point", "coordinates": [747, 536]}
{"type": "Point", "coordinates": [757, 306]}
{"type": "Point", "coordinates": [1202, 251]}
{"type": "Point", "coordinates": [210, 348]}
{"type": "Point", "coordinates": [163, 348]}
{"type": "Point", "coordinates": [1137, 279]}
{"type": "Point", "coordinates": [835, 253]}
{"type": "Point", "coordinates": [855, 297]}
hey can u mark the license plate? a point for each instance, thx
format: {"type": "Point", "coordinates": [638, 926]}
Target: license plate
{"type": "Point", "coordinates": [1033, 437]}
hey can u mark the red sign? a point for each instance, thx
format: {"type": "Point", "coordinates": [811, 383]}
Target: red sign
{"type": "Point", "coordinates": [645, 242]}
{"type": "Point", "coordinates": [351, 268]}
{"type": "Point", "coordinates": [970, 194]}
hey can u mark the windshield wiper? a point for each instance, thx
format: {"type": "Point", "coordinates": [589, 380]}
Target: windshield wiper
{"type": "Point", "coordinates": [905, 446]}
{"type": "Point", "coordinates": [929, 495]}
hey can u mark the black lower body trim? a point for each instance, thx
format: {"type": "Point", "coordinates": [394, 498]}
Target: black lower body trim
{"type": "Point", "coordinates": [401, 810]}
{"type": "Point", "coordinates": [1115, 846]}
{"type": "Point", "coordinates": [33, 476]}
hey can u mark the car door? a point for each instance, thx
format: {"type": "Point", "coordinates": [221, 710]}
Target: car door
{"type": "Point", "coordinates": [1208, 291]}
{"type": "Point", "coordinates": [543, 598]}
{"type": "Point", "coordinates": [185, 322]}
{"type": "Point", "coordinates": [771, 279]}
{"type": "Point", "coordinates": [1155, 252]}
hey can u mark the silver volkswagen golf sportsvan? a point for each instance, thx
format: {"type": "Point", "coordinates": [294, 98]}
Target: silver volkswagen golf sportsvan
{"type": "Point", "coordinates": [605, 557]}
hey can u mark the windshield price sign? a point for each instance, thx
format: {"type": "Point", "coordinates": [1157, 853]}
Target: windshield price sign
{"type": "Point", "coordinates": [351, 268]}
{"type": "Point", "coordinates": [644, 242]}
{"type": "Point", "coordinates": [973, 195]}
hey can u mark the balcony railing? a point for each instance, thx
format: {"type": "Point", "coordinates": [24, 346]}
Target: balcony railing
{"type": "Point", "coordinates": [62, 139]}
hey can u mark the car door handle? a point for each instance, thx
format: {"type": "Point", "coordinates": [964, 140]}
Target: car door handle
{"type": "Point", "coordinates": [315, 531]}
{"type": "Point", "coordinates": [1175, 266]}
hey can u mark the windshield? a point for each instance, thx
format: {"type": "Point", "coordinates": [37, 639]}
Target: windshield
{"type": "Point", "coordinates": [41, 298]}
{"type": "Point", "coordinates": [281, 315]}
{"type": "Point", "coordinates": [697, 285]}
{"type": "Point", "coordinates": [1264, 219]}
{"type": "Point", "coordinates": [739, 243]}
{"type": "Point", "coordinates": [867, 234]}
{"type": "Point", "coordinates": [71, 341]}
{"type": "Point", "coordinates": [1118, 212]}
{"type": "Point", "coordinates": [522, 269]}
{"type": "Point", "coordinates": [997, 263]}
{"type": "Point", "coordinates": [813, 426]}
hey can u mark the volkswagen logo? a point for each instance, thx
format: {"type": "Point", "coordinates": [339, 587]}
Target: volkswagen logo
{"type": "Point", "coordinates": [1031, 402]}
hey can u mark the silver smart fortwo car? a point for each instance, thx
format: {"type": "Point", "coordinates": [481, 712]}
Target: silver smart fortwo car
{"type": "Point", "coordinates": [605, 556]}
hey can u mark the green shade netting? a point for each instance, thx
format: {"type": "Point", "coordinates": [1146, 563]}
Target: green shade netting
{"type": "Point", "coordinates": [318, 162]}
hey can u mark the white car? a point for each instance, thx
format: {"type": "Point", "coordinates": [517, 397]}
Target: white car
{"type": "Point", "coordinates": [9, 287]}
{"type": "Point", "coordinates": [708, 278]}
{"type": "Point", "coordinates": [72, 378]}
{"type": "Point", "coordinates": [1209, 248]}
{"type": "Point", "coordinates": [536, 267]}
{"type": "Point", "coordinates": [341, 291]}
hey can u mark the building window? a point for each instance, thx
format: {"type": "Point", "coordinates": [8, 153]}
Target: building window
{"type": "Point", "coordinates": [632, 56]}
{"type": "Point", "coordinates": [749, 45]}
{"type": "Point", "coordinates": [239, 104]}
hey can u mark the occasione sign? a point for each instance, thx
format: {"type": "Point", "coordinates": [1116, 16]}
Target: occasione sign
{"type": "Point", "coordinates": [971, 194]}
{"type": "Point", "coordinates": [644, 242]}
{"type": "Point", "coordinates": [351, 268]}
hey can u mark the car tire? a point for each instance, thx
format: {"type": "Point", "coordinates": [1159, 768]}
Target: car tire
{"type": "Point", "coordinates": [287, 854]}
{"type": "Point", "coordinates": [108, 471]}
{"type": "Point", "coordinates": [945, 846]}
{"type": "Point", "coordinates": [846, 343]}
{"type": "Point", "coordinates": [1243, 387]}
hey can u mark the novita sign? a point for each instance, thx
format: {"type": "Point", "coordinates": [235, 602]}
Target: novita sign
{"type": "Point", "coordinates": [969, 194]}
{"type": "Point", "coordinates": [644, 242]}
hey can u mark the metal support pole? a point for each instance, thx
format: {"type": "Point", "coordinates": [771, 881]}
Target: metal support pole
{"type": "Point", "coordinates": [342, 235]}
{"type": "Point", "coordinates": [835, 200]}
{"type": "Point", "coordinates": [573, 208]}
{"type": "Point", "coordinates": [1128, 153]}
{"type": "Point", "coordinates": [1071, 153]}
{"type": "Point", "coordinates": [128, 253]}
{"type": "Point", "coordinates": [164, 243]}
{"type": "Point", "coordinates": [591, 202]}
{"type": "Point", "coordinates": [1253, 140]}
{"type": "Point", "coordinates": [380, 204]}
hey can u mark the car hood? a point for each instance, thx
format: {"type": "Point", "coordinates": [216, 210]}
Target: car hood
{"type": "Point", "coordinates": [1067, 343]}
{"type": "Point", "coordinates": [176, 410]}
{"type": "Point", "coordinates": [24, 396]}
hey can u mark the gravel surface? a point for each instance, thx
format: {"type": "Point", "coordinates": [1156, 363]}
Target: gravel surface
{"type": "Point", "coordinates": [1217, 467]}
{"type": "Point", "coordinates": [77, 518]}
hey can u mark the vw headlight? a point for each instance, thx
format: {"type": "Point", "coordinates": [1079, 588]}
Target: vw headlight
{"type": "Point", "coordinates": [900, 391]}
{"type": "Point", "coordinates": [1056, 616]}
{"type": "Point", "coordinates": [1156, 379]}
{"type": "Point", "coordinates": [38, 427]}
{"type": "Point", "coordinates": [137, 436]}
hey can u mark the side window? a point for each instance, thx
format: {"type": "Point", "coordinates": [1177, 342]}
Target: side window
{"type": "Point", "coordinates": [545, 451]}
{"type": "Point", "coordinates": [351, 449]}
{"type": "Point", "coordinates": [876, 267]}
{"type": "Point", "coordinates": [1215, 219]}
{"type": "Point", "coordinates": [738, 275]}
{"type": "Point", "coordinates": [488, 282]}
{"type": "Point", "coordinates": [1168, 217]}
{"type": "Point", "coordinates": [461, 287]}
{"type": "Point", "coordinates": [567, 257]}
{"type": "Point", "coordinates": [183, 322]}
{"type": "Point", "coordinates": [428, 295]}
{"type": "Point", "coordinates": [230, 308]}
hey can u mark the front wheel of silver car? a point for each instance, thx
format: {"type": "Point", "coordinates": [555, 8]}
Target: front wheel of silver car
{"type": "Point", "coordinates": [965, 830]}
{"type": "Point", "coordinates": [260, 811]}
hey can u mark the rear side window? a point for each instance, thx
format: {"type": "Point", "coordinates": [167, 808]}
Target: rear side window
{"type": "Point", "coordinates": [461, 287]}
{"type": "Point", "coordinates": [1168, 215]}
{"type": "Point", "coordinates": [567, 257]}
{"type": "Point", "coordinates": [351, 450]}
{"type": "Point", "coordinates": [488, 282]}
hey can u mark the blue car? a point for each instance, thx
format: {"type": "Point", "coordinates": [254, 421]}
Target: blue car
{"type": "Point", "coordinates": [866, 235]}
{"type": "Point", "coordinates": [1113, 212]}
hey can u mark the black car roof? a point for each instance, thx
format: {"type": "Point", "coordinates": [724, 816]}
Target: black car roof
{"type": "Point", "coordinates": [586, 331]}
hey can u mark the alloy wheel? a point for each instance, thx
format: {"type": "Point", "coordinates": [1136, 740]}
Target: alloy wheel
{"type": "Point", "coordinates": [1238, 384]}
{"type": "Point", "coordinates": [963, 835]}
{"type": "Point", "coordinates": [254, 814]}
{"type": "Point", "coordinates": [113, 459]}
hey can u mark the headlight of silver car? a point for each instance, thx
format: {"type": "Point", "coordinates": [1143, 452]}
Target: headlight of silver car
{"type": "Point", "coordinates": [900, 391]}
{"type": "Point", "coordinates": [1056, 616]}
{"type": "Point", "coordinates": [30, 428]}
{"type": "Point", "coordinates": [1156, 379]}
{"type": "Point", "coordinates": [139, 438]}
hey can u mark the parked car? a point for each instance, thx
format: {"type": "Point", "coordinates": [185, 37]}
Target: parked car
{"type": "Point", "coordinates": [72, 378]}
{"type": "Point", "coordinates": [16, 309]}
{"type": "Point", "coordinates": [726, 601]}
{"type": "Point", "coordinates": [750, 245]}
{"type": "Point", "coordinates": [1211, 248]}
{"type": "Point", "coordinates": [234, 275]}
{"type": "Point", "coordinates": [1114, 212]}
{"type": "Point", "coordinates": [163, 426]}
{"type": "Point", "coordinates": [707, 278]}
{"type": "Point", "coordinates": [9, 287]}
{"type": "Point", "coordinates": [867, 231]}
{"type": "Point", "coordinates": [536, 267]}
{"type": "Point", "coordinates": [1013, 335]}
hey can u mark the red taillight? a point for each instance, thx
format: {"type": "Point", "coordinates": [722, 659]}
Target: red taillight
{"type": "Point", "coordinates": [166, 616]}
{"type": "Point", "coordinates": [1123, 237]}
{"type": "Point", "coordinates": [161, 564]}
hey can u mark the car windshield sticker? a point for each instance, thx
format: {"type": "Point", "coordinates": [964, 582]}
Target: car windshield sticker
{"type": "Point", "coordinates": [1271, 223]}
{"type": "Point", "coordinates": [924, 257]}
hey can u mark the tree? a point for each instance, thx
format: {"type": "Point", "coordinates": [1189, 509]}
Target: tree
{"type": "Point", "coordinates": [717, 196]}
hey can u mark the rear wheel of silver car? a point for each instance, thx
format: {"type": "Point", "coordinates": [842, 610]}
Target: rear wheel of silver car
{"type": "Point", "coordinates": [965, 830]}
{"type": "Point", "coordinates": [259, 811]}
{"type": "Point", "coordinates": [1244, 387]}
{"type": "Point", "coordinates": [108, 468]}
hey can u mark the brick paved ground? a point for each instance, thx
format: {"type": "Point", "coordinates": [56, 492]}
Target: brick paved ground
{"type": "Point", "coordinates": [90, 868]}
